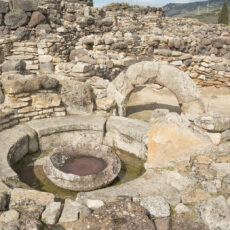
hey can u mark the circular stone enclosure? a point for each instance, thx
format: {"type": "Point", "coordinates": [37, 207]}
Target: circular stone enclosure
{"type": "Point", "coordinates": [61, 166]}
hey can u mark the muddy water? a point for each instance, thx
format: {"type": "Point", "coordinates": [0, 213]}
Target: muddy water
{"type": "Point", "coordinates": [83, 166]}
{"type": "Point", "coordinates": [30, 171]}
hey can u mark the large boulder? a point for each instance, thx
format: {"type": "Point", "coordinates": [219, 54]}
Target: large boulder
{"type": "Point", "coordinates": [215, 213]}
{"type": "Point", "coordinates": [20, 83]}
{"type": "Point", "coordinates": [77, 97]}
{"type": "Point", "coordinates": [4, 6]}
{"type": "Point", "coordinates": [127, 134]}
{"type": "Point", "coordinates": [24, 5]}
{"type": "Point", "coordinates": [172, 139]}
{"type": "Point", "coordinates": [213, 123]}
{"type": "Point", "coordinates": [36, 18]}
{"type": "Point", "coordinates": [13, 65]}
{"type": "Point", "coordinates": [16, 19]}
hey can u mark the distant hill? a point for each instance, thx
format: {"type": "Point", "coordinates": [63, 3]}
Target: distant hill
{"type": "Point", "coordinates": [203, 10]}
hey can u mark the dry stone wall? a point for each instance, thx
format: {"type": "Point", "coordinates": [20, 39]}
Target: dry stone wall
{"type": "Point", "coordinates": [83, 48]}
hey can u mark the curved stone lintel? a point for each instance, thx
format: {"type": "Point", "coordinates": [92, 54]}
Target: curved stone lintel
{"type": "Point", "coordinates": [177, 81]}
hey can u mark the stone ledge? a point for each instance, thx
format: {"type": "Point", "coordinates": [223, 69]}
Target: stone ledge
{"type": "Point", "coordinates": [15, 143]}
{"type": "Point", "coordinates": [50, 126]}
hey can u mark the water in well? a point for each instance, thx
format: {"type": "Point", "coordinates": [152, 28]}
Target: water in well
{"type": "Point", "coordinates": [30, 171]}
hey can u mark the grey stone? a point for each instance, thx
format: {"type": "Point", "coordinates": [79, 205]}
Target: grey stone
{"type": "Point", "coordinates": [24, 5]}
{"type": "Point", "coordinates": [1, 17]}
{"type": "Point", "coordinates": [13, 65]}
{"type": "Point", "coordinates": [74, 214]}
{"type": "Point", "coordinates": [51, 213]}
{"type": "Point", "coordinates": [20, 140]}
{"type": "Point", "coordinates": [178, 82]}
{"type": "Point", "coordinates": [48, 82]}
{"type": "Point", "coordinates": [94, 204]}
{"type": "Point", "coordinates": [77, 97]}
{"type": "Point", "coordinates": [46, 67]}
{"type": "Point", "coordinates": [22, 33]}
{"type": "Point", "coordinates": [181, 208]}
{"type": "Point", "coordinates": [217, 123]}
{"type": "Point", "coordinates": [2, 96]}
{"type": "Point", "coordinates": [218, 43]}
{"type": "Point", "coordinates": [43, 29]}
{"type": "Point", "coordinates": [9, 216]}
{"type": "Point", "coordinates": [215, 213]}
{"type": "Point", "coordinates": [126, 134]}
{"type": "Point", "coordinates": [3, 201]}
{"type": "Point", "coordinates": [4, 6]}
{"type": "Point", "coordinates": [156, 206]}
{"type": "Point", "coordinates": [16, 19]}
{"type": "Point", "coordinates": [225, 136]}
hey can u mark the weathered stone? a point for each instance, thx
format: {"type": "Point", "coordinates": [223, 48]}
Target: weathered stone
{"type": "Point", "coordinates": [119, 46]}
{"type": "Point", "coordinates": [180, 208]}
{"type": "Point", "coordinates": [45, 58]}
{"type": "Point", "coordinates": [77, 53]}
{"type": "Point", "coordinates": [74, 215]}
{"type": "Point", "coordinates": [48, 82]}
{"type": "Point", "coordinates": [16, 19]}
{"type": "Point", "coordinates": [24, 5]}
{"type": "Point", "coordinates": [22, 33]}
{"type": "Point", "coordinates": [127, 134]}
{"type": "Point", "coordinates": [51, 213]}
{"type": "Point", "coordinates": [30, 203]}
{"type": "Point", "coordinates": [82, 68]}
{"type": "Point", "coordinates": [43, 29]}
{"type": "Point", "coordinates": [21, 84]}
{"type": "Point", "coordinates": [36, 18]}
{"type": "Point", "coordinates": [77, 97]}
{"type": "Point", "coordinates": [3, 201]}
{"type": "Point", "coordinates": [4, 6]}
{"type": "Point", "coordinates": [179, 83]}
{"type": "Point", "coordinates": [194, 195]}
{"type": "Point", "coordinates": [2, 96]}
{"type": "Point", "coordinates": [215, 213]}
{"type": "Point", "coordinates": [118, 215]}
{"type": "Point", "coordinates": [217, 123]}
{"type": "Point", "coordinates": [156, 206]}
{"type": "Point", "coordinates": [13, 65]}
{"type": "Point", "coordinates": [218, 43]}
{"type": "Point", "coordinates": [45, 100]}
{"type": "Point", "coordinates": [94, 204]}
{"type": "Point", "coordinates": [163, 223]}
{"type": "Point", "coordinates": [105, 104]}
{"type": "Point", "coordinates": [46, 67]}
{"type": "Point", "coordinates": [9, 216]}
{"type": "Point", "coordinates": [60, 132]}
{"type": "Point", "coordinates": [179, 140]}
{"type": "Point", "coordinates": [225, 136]}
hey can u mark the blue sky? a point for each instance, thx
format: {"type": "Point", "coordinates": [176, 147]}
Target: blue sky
{"type": "Point", "coordinates": [142, 2]}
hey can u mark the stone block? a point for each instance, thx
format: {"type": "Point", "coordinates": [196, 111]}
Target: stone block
{"type": "Point", "coordinates": [24, 5]}
{"type": "Point", "coordinates": [4, 6]}
{"type": "Point", "coordinates": [45, 100]}
{"type": "Point", "coordinates": [16, 19]}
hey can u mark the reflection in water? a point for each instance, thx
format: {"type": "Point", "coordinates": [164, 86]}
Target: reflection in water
{"type": "Point", "coordinates": [31, 173]}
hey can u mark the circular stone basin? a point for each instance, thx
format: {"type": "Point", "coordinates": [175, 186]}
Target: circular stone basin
{"type": "Point", "coordinates": [82, 167]}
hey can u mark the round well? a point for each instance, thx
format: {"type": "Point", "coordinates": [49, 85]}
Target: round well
{"type": "Point", "coordinates": [82, 167]}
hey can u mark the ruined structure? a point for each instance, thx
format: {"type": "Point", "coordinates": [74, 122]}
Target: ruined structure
{"type": "Point", "coordinates": [67, 70]}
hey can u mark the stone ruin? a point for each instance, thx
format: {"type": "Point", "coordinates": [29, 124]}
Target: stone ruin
{"type": "Point", "coordinates": [67, 70]}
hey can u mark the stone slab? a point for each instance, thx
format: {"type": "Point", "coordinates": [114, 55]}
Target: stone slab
{"type": "Point", "coordinates": [127, 134]}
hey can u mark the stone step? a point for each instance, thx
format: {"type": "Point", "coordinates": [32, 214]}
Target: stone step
{"type": "Point", "coordinates": [24, 44]}
{"type": "Point", "coordinates": [20, 57]}
{"type": "Point", "coordinates": [25, 49]}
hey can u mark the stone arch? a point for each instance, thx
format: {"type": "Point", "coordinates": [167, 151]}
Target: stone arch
{"type": "Point", "coordinates": [177, 81]}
